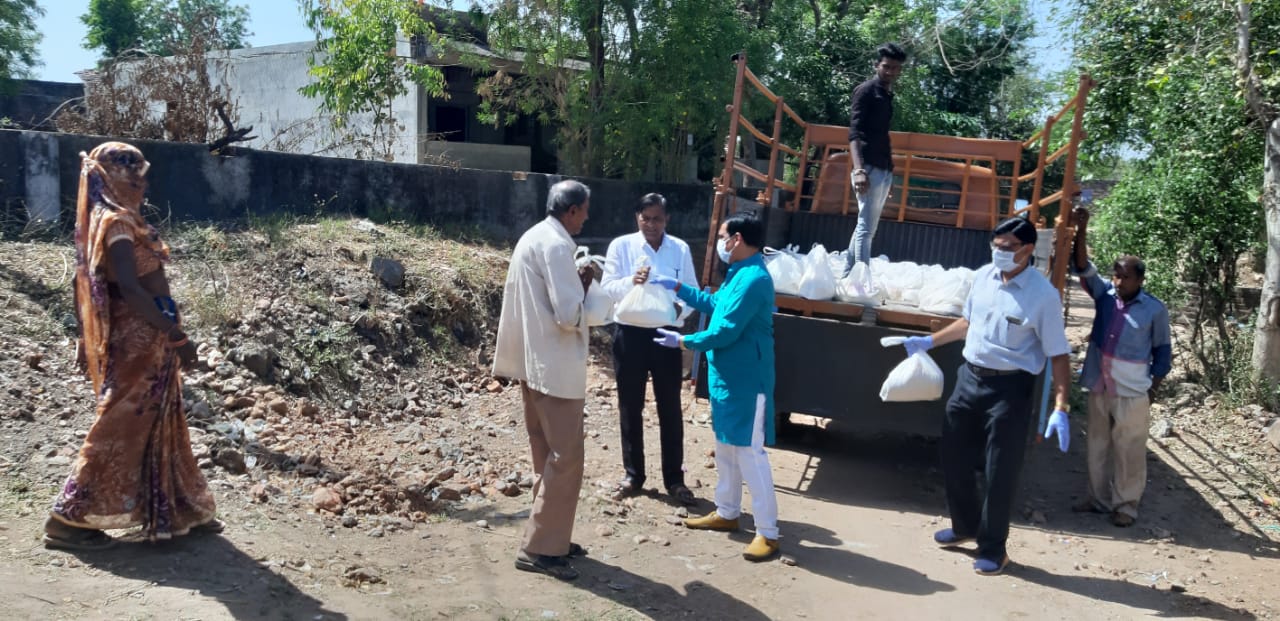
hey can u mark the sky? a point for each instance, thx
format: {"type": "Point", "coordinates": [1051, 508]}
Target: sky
{"type": "Point", "coordinates": [271, 21]}
{"type": "Point", "coordinates": [278, 21]}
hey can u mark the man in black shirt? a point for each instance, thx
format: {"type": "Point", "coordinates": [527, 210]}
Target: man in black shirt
{"type": "Point", "coordinates": [869, 118]}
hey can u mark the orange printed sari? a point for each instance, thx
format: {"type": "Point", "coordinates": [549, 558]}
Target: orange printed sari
{"type": "Point", "coordinates": [136, 467]}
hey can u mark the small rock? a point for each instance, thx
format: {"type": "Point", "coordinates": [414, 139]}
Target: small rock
{"type": "Point", "coordinates": [257, 359]}
{"type": "Point", "coordinates": [325, 499]}
{"type": "Point", "coordinates": [682, 512]}
{"type": "Point", "coordinates": [604, 530]}
{"type": "Point", "coordinates": [1178, 587]}
{"type": "Point", "coordinates": [526, 482]}
{"type": "Point", "coordinates": [279, 406]}
{"type": "Point", "coordinates": [1273, 435]}
{"type": "Point", "coordinates": [1038, 517]}
{"type": "Point", "coordinates": [389, 271]}
{"type": "Point", "coordinates": [376, 532]}
{"type": "Point", "coordinates": [356, 576]}
{"type": "Point", "coordinates": [449, 492]}
{"type": "Point", "coordinates": [639, 539]}
{"type": "Point", "coordinates": [34, 359]}
{"type": "Point", "coordinates": [239, 403]}
{"type": "Point", "coordinates": [482, 524]}
{"type": "Point", "coordinates": [673, 520]}
{"type": "Point", "coordinates": [494, 386]}
{"type": "Point", "coordinates": [789, 561]}
{"type": "Point", "coordinates": [1162, 428]}
{"type": "Point", "coordinates": [308, 409]}
{"type": "Point", "coordinates": [230, 460]}
{"type": "Point", "coordinates": [350, 521]}
{"type": "Point", "coordinates": [201, 410]}
{"type": "Point", "coordinates": [58, 460]}
{"type": "Point", "coordinates": [1160, 533]}
{"type": "Point", "coordinates": [258, 493]}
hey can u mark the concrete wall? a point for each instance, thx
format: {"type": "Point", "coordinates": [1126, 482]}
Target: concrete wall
{"type": "Point", "coordinates": [39, 175]}
{"type": "Point", "coordinates": [264, 83]}
{"type": "Point", "coordinates": [33, 101]}
{"type": "Point", "coordinates": [473, 155]}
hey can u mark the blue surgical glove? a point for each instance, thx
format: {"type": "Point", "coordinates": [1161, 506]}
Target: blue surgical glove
{"type": "Point", "coordinates": [918, 344]}
{"type": "Point", "coordinates": [1058, 424]}
{"type": "Point", "coordinates": [668, 338]}
{"type": "Point", "coordinates": [666, 282]}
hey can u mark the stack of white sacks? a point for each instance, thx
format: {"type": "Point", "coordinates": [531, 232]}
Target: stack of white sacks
{"type": "Point", "coordinates": [931, 288]}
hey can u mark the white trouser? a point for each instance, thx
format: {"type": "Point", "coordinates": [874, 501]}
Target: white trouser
{"type": "Point", "coordinates": [736, 464]}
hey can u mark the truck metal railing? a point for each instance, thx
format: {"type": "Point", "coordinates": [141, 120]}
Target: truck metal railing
{"type": "Point", "coordinates": [958, 182]}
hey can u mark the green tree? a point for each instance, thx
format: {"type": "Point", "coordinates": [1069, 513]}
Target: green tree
{"type": "Point", "coordinates": [18, 39]}
{"type": "Point", "coordinates": [170, 24]}
{"type": "Point", "coordinates": [356, 69]}
{"type": "Point", "coordinates": [163, 27]}
{"type": "Point", "coordinates": [114, 26]}
{"type": "Point", "coordinates": [1181, 84]}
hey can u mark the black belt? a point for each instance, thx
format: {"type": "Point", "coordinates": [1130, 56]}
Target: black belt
{"type": "Point", "coordinates": [985, 372]}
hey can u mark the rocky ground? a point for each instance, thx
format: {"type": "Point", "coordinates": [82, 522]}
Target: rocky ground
{"type": "Point", "coordinates": [368, 467]}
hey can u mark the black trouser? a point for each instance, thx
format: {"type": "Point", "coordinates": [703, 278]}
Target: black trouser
{"type": "Point", "coordinates": [635, 357]}
{"type": "Point", "coordinates": [985, 429]}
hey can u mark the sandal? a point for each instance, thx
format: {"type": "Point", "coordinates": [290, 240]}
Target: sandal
{"type": "Point", "coordinates": [555, 566]}
{"type": "Point", "coordinates": [212, 527]}
{"type": "Point", "coordinates": [78, 539]}
{"type": "Point", "coordinates": [683, 495]}
{"type": "Point", "coordinates": [1123, 520]}
{"type": "Point", "coordinates": [625, 489]}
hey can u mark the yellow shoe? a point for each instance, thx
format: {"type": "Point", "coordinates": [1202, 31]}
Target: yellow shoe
{"type": "Point", "coordinates": [761, 549]}
{"type": "Point", "coordinates": [711, 521]}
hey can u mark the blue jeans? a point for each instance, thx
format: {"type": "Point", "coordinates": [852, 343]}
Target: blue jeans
{"type": "Point", "coordinates": [870, 205]}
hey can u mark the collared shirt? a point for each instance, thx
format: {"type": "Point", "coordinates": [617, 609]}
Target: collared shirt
{"type": "Point", "coordinates": [1130, 342]}
{"type": "Point", "coordinates": [870, 114]}
{"type": "Point", "coordinates": [1013, 325]}
{"type": "Point", "coordinates": [542, 334]}
{"type": "Point", "coordinates": [626, 254]}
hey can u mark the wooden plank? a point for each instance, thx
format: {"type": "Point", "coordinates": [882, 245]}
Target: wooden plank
{"type": "Point", "coordinates": [914, 319]}
{"type": "Point", "coordinates": [809, 308]}
{"type": "Point", "coordinates": [955, 146]}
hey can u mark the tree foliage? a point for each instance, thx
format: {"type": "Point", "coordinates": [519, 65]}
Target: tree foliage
{"type": "Point", "coordinates": [1170, 89]}
{"type": "Point", "coordinates": [18, 39]}
{"type": "Point", "coordinates": [356, 68]}
{"type": "Point", "coordinates": [163, 27]}
{"type": "Point", "coordinates": [655, 83]}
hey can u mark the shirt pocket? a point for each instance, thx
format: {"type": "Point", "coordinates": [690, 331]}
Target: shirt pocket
{"type": "Point", "coordinates": [1013, 331]}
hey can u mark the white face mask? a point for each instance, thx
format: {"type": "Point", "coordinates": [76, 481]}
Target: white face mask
{"type": "Point", "coordinates": [1004, 259]}
{"type": "Point", "coordinates": [722, 252]}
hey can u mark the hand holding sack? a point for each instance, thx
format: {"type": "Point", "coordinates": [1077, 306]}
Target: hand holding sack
{"type": "Point", "coordinates": [918, 378]}
{"type": "Point", "coordinates": [597, 306]}
{"type": "Point", "coordinates": [647, 306]}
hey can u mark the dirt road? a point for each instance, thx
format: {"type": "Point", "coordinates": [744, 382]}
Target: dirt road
{"type": "Point", "coordinates": [857, 513]}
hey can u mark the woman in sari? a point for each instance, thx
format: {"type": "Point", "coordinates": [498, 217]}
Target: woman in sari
{"type": "Point", "coordinates": [136, 467]}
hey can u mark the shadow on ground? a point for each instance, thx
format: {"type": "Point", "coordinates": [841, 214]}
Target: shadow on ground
{"type": "Point", "coordinates": [899, 472]}
{"type": "Point", "coordinates": [215, 568]}
{"type": "Point", "coordinates": [657, 600]}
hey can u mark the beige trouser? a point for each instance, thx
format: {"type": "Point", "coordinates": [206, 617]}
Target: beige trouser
{"type": "Point", "coordinates": [1117, 451]}
{"type": "Point", "coordinates": [555, 438]}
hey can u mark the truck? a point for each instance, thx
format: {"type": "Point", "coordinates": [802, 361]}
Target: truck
{"type": "Point", "coordinates": [948, 194]}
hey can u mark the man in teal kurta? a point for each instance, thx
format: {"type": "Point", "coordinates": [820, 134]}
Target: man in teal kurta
{"type": "Point", "coordinates": [739, 346]}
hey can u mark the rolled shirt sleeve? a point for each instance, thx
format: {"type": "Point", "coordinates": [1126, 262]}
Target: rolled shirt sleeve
{"type": "Point", "coordinates": [1092, 283]}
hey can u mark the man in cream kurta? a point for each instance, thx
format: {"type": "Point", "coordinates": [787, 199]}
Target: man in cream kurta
{"type": "Point", "coordinates": [542, 342]}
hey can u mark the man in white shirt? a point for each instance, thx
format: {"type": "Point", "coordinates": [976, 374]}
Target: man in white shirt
{"type": "Point", "coordinates": [630, 260]}
{"type": "Point", "coordinates": [542, 343]}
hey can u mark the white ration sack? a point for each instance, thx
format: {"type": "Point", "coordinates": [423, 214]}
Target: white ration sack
{"type": "Point", "coordinates": [917, 378]}
{"type": "Point", "coordinates": [818, 283]}
{"type": "Point", "coordinates": [647, 306]}
{"type": "Point", "coordinates": [597, 306]}
{"type": "Point", "coordinates": [859, 287]}
{"type": "Point", "coordinates": [785, 269]}
{"type": "Point", "coordinates": [945, 293]}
